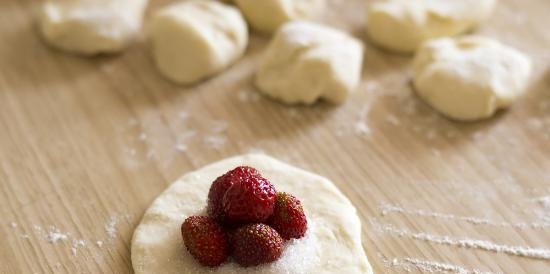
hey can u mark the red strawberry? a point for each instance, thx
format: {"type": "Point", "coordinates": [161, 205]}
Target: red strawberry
{"type": "Point", "coordinates": [205, 240]}
{"type": "Point", "coordinates": [220, 186]}
{"type": "Point", "coordinates": [256, 244]}
{"type": "Point", "coordinates": [288, 217]}
{"type": "Point", "coordinates": [251, 199]}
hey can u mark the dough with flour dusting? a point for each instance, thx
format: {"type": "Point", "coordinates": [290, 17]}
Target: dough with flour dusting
{"type": "Point", "coordinates": [267, 15]}
{"type": "Point", "coordinates": [307, 61]}
{"type": "Point", "coordinates": [91, 26]}
{"type": "Point", "coordinates": [403, 25]}
{"type": "Point", "coordinates": [331, 245]}
{"type": "Point", "coordinates": [193, 40]}
{"type": "Point", "coordinates": [470, 78]}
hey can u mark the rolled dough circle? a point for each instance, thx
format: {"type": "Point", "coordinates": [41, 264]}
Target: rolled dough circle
{"type": "Point", "coordinates": [331, 245]}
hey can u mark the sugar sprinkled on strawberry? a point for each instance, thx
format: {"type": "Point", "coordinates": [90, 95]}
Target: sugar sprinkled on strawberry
{"type": "Point", "coordinates": [256, 244]}
{"type": "Point", "coordinates": [205, 240]}
{"type": "Point", "coordinates": [288, 217]}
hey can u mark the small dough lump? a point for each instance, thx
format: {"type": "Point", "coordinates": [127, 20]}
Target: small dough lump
{"type": "Point", "coordinates": [403, 25]}
{"type": "Point", "coordinates": [267, 15]}
{"type": "Point", "coordinates": [196, 39]}
{"type": "Point", "coordinates": [469, 78]}
{"type": "Point", "coordinates": [91, 27]}
{"type": "Point", "coordinates": [331, 245]}
{"type": "Point", "coordinates": [306, 61]}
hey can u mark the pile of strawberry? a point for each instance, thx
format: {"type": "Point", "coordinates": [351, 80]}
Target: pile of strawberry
{"type": "Point", "coordinates": [247, 220]}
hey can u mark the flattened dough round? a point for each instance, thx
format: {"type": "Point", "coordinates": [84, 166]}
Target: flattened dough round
{"type": "Point", "coordinates": [331, 245]}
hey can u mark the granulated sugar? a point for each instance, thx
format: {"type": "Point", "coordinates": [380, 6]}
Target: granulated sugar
{"type": "Point", "coordinates": [522, 251]}
{"type": "Point", "coordinates": [408, 264]}
{"type": "Point", "coordinates": [298, 257]}
{"type": "Point", "coordinates": [388, 208]}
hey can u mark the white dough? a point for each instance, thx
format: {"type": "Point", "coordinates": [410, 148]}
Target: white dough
{"type": "Point", "coordinates": [91, 26]}
{"type": "Point", "coordinates": [331, 245]}
{"type": "Point", "coordinates": [196, 39]}
{"type": "Point", "coordinates": [306, 61]}
{"type": "Point", "coordinates": [469, 78]}
{"type": "Point", "coordinates": [267, 15]}
{"type": "Point", "coordinates": [403, 25]}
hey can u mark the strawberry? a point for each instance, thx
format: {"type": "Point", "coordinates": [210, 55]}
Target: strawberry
{"type": "Point", "coordinates": [205, 240]}
{"type": "Point", "coordinates": [288, 217]}
{"type": "Point", "coordinates": [220, 186]}
{"type": "Point", "coordinates": [256, 244]}
{"type": "Point", "coordinates": [250, 199]}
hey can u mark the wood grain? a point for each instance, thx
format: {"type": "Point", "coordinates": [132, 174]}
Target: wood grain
{"type": "Point", "coordinates": [87, 143]}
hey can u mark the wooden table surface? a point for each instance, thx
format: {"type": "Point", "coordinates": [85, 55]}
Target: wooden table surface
{"type": "Point", "coordinates": [87, 143]}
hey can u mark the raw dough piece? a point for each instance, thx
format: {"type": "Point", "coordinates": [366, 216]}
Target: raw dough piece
{"type": "Point", "coordinates": [331, 245]}
{"type": "Point", "coordinates": [91, 26]}
{"type": "Point", "coordinates": [402, 25]}
{"type": "Point", "coordinates": [307, 61]}
{"type": "Point", "coordinates": [196, 39]}
{"type": "Point", "coordinates": [469, 78]}
{"type": "Point", "coordinates": [267, 15]}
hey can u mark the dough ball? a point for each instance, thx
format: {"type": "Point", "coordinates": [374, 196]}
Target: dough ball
{"type": "Point", "coordinates": [403, 25]}
{"type": "Point", "coordinates": [196, 39]}
{"type": "Point", "coordinates": [267, 15]}
{"type": "Point", "coordinates": [91, 26]}
{"type": "Point", "coordinates": [306, 61]}
{"type": "Point", "coordinates": [469, 78]}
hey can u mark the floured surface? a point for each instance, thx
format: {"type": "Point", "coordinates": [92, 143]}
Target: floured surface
{"type": "Point", "coordinates": [332, 243]}
{"type": "Point", "coordinates": [87, 144]}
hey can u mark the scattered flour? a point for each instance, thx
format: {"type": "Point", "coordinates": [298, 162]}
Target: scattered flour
{"type": "Point", "coordinates": [544, 201]}
{"type": "Point", "coordinates": [361, 126]}
{"type": "Point", "coordinates": [392, 119]}
{"type": "Point", "coordinates": [183, 115]}
{"type": "Point", "coordinates": [181, 147]}
{"type": "Point", "coordinates": [54, 235]}
{"type": "Point", "coordinates": [408, 264]}
{"type": "Point", "coordinates": [389, 208]}
{"type": "Point", "coordinates": [372, 86]}
{"type": "Point", "coordinates": [111, 227]}
{"type": "Point", "coordinates": [76, 245]}
{"type": "Point", "coordinates": [248, 96]}
{"type": "Point", "coordinates": [218, 126]}
{"type": "Point", "coordinates": [529, 252]}
{"type": "Point", "coordinates": [215, 141]}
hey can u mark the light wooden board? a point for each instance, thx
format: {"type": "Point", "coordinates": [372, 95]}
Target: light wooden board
{"type": "Point", "coordinates": [87, 143]}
